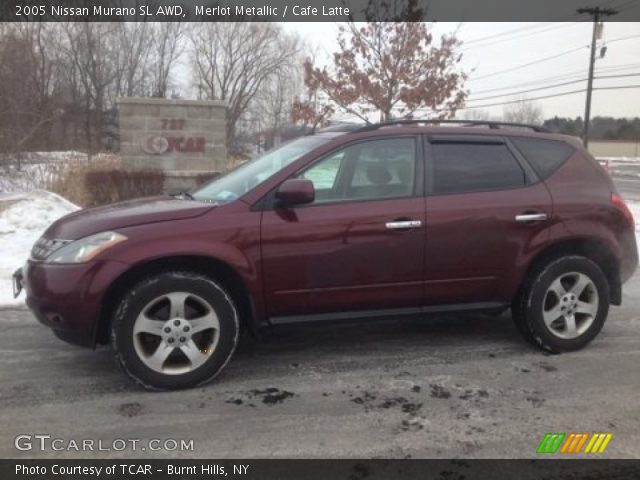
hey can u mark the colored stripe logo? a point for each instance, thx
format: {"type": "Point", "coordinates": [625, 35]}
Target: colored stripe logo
{"type": "Point", "coordinates": [574, 443]}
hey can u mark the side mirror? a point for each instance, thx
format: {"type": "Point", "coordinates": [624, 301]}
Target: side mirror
{"type": "Point", "coordinates": [296, 191]}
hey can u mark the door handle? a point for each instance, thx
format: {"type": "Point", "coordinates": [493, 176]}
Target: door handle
{"type": "Point", "coordinates": [403, 224]}
{"type": "Point", "coordinates": [531, 217]}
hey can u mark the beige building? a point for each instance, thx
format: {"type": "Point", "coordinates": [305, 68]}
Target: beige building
{"type": "Point", "coordinates": [614, 148]}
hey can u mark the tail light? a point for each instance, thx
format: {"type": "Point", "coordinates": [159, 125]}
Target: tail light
{"type": "Point", "coordinates": [619, 203]}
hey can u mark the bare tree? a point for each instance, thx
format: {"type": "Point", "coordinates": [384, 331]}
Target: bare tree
{"type": "Point", "coordinates": [524, 111]}
{"type": "Point", "coordinates": [275, 100]}
{"type": "Point", "coordinates": [311, 108]}
{"type": "Point", "coordinates": [168, 47]}
{"type": "Point", "coordinates": [231, 62]}
{"type": "Point", "coordinates": [134, 40]}
{"type": "Point", "coordinates": [59, 81]}
{"type": "Point", "coordinates": [29, 76]}
{"type": "Point", "coordinates": [93, 49]}
{"type": "Point", "coordinates": [475, 114]}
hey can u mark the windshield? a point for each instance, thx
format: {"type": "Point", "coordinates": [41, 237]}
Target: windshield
{"type": "Point", "coordinates": [237, 182]}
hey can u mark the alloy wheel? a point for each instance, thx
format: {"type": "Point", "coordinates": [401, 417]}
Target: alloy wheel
{"type": "Point", "coordinates": [570, 305]}
{"type": "Point", "coordinates": [176, 333]}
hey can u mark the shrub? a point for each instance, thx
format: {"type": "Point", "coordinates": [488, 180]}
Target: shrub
{"type": "Point", "coordinates": [203, 178]}
{"type": "Point", "coordinates": [112, 185]}
{"type": "Point", "coordinates": [25, 171]}
{"type": "Point", "coordinates": [105, 181]}
{"type": "Point", "coordinates": [91, 182]}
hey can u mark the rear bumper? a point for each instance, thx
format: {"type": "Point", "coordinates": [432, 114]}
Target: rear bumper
{"type": "Point", "coordinates": [68, 298]}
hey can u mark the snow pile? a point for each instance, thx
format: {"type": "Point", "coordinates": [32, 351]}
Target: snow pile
{"type": "Point", "coordinates": [56, 156]}
{"type": "Point", "coordinates": [621, 159]}
{"type": "Point", "coordinates": [622, 166]}
{"type": "Point", "coordinates": [23, 218]}
{"type": "Point", "coordinates": [635, 209]}
{"type": "Point", "coordinates": [27, 171]}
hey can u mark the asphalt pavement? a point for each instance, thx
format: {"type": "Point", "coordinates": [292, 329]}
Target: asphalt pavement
{"type": "Point", "coordinates": [450, 386]}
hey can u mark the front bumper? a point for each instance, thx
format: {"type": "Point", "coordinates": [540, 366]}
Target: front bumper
{"type": "Point", "coordinates": [68, 298]}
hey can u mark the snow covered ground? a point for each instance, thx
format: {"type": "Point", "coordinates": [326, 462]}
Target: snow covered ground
{"type": "Point", "coordinates": [40, 170]}
{"type": "Point", "coordinates": [635, 209]}
{"type": "Point", "coordinates": [23, 218]}
{"type": "Point", "coordinates": [37, 170]}
{"type": "Point", "coordinates": [622, 166]}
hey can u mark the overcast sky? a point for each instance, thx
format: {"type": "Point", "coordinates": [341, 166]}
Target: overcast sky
{"type": "Point", "coordinates": [491, 48]}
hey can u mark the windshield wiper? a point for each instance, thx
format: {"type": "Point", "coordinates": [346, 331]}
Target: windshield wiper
{"type": "Point", "coordinates": [184, 194]}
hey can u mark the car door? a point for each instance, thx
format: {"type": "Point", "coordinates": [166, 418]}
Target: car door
{"type": "Point", "coordinates": [360, 244]}
{"type": "Point", "coordinates": [485, 211]}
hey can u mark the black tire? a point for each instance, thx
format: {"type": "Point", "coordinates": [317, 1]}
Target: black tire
{"type": "Point", "coordinates": [520, 320]}
{"type": "Point", "coordinates": [144, 292]}
{"type": "Point", "coordinates": [528, 307]}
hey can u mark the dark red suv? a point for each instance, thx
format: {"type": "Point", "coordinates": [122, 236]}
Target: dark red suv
{"type": "Point", "coordinates": [406, 217]}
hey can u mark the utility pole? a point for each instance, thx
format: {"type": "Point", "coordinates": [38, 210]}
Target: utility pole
{"type": "Point", "coordinates": [597, 14]}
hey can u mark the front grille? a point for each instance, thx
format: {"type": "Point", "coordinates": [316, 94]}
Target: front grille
{"type": "Point", "coordinates": [45, 247]}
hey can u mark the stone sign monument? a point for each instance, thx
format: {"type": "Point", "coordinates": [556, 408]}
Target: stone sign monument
{"type": "Point", "coordinates": [184, 138]}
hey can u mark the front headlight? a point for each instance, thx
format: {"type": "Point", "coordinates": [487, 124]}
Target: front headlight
{"type": "Point", "coordinates": [86, 248]}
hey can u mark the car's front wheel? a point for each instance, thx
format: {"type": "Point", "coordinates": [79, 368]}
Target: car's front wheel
{"type": "Point", "coordinates": [563, 304]}
{"type": "Point", "coordinates": [174, 330]}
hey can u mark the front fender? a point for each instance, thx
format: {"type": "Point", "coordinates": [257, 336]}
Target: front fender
{"type": "Point", "coordinates": [234, 242]}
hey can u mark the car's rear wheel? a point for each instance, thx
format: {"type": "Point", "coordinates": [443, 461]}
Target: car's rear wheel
{"type": "Point", "coordinates": [174, 330]}
{"type": "Point", "coordinates": [563, 304]}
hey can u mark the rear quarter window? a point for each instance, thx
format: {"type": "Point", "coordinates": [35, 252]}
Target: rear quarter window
{"type": "Point", "coordinates": [471, 167]}
{"type": "Point", "coordinates": [545, 156]}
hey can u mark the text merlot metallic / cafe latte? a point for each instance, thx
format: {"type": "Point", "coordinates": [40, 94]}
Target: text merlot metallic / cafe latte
{"type": "Point", "coordinates": [270, 11]}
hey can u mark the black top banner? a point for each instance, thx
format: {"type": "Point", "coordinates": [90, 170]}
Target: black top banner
{"type": "Point", "coordinates": [316, 11]}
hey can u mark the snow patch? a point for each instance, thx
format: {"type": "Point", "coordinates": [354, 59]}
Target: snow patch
{"type": "Point", "coordinates": [635, 210]}
{"type": "Point", "coordinates": [620, 159]}
{"type": "Point", "coordinates": [23, 219]}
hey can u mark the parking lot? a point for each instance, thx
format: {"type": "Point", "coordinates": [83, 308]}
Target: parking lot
{"type": "Point", "coordinates": [451, 386]}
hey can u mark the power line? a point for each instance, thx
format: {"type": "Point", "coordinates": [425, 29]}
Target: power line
{"type": "Point", "coordinates": [516, 37]}
{"type": "Point", "coordinates": [565, 76]}
{"type": "Point", "coordinates": [508, 32]}
{"type": "Point", "coordinates": [521, 92]}
{"type": "Point", "coordinates": [553, 86]}
{"type": "Point", "coordinates": [600, 77]}
{"type": "Point", "coordinates": [545, 59]}
{"type": "Point", "coordinates": [564, 94]}
{"type": "Point", "coordinates": [624, 6]}
{"type": "Point", "coordinates": [620, 39]}
{"type": "Point", "coordinates": [518, 67]}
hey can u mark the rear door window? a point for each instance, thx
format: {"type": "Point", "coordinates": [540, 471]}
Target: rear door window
{"type": "Point", "coordinates": [545, 156]}
{"type": "Point", "coordinates": [474, 167]}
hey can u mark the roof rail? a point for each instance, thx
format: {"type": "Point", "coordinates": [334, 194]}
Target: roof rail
{"type": "Point", "coordinates": [340, 127]}
{"type": "Point", "coordinates": [463, 123]}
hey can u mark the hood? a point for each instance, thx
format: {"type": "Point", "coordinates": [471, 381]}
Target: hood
{"type": "Point", "coordinates": [125, 214]}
